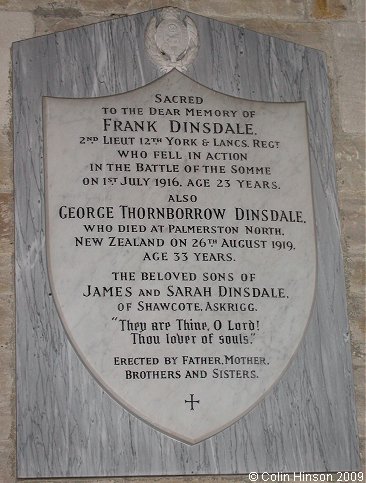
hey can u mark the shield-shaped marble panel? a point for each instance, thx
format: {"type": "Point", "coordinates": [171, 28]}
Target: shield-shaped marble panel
{"type": "Point", "coordinates": [181, 246]}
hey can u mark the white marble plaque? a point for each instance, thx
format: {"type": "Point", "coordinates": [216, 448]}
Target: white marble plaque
{"type": "Point", "coordinates": [106, 405]}
{"type": "Point", "coordinates": [181, 246]}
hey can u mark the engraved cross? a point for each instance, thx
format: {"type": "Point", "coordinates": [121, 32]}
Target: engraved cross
{"type": "Point", "coordinates": [192, 401]}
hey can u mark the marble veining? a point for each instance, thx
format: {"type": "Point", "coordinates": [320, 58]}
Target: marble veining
{"type": "Point", "coordinates": [66, 424]}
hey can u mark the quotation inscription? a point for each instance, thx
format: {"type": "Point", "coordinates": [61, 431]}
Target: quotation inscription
{"type": "Point", "coordinates": [181, 246]}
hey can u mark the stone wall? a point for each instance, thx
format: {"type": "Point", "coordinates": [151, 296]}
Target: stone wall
{"type": "Point", "coordinates": [334, 26]}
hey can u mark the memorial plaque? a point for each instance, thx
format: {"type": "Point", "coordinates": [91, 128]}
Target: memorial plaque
{"type": "Point", "coordinates": [180, 294]}
{"type": "Point", "coordinates": [181, 246]}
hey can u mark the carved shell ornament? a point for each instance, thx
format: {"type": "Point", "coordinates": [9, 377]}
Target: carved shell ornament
{"type": "Point", "coordinates": [173, 43]}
